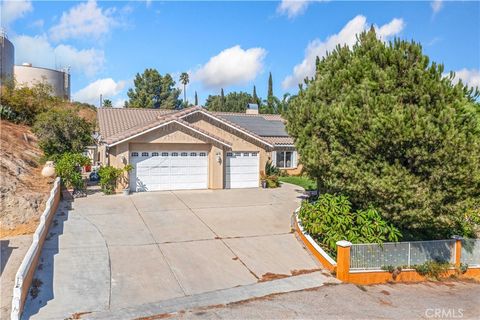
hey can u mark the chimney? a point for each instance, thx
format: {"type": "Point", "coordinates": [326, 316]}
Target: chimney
{"type": "Point", "coordinates": [252, 108]}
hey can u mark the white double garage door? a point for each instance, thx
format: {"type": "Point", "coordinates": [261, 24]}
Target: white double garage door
{"type": "Point", "coordinates": [182, 170]}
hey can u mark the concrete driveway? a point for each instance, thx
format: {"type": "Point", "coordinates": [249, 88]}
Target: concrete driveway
{"type": "Point", "coordinates": [113, 252]}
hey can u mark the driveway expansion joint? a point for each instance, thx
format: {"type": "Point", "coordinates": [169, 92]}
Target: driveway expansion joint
{"type": "Point", "coordinates": [159, 249]}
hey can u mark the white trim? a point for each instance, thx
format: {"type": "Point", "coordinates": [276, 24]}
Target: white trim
{"type": "Point", "coordinates": [164, 124]}
{"type": "Point", "coordinates": [229, 125]}
{"type": "Point", "coordinates": [313, 242]}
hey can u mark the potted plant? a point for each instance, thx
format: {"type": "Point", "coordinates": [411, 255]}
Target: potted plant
{"type": "Point", "coordinates": [263, 180]}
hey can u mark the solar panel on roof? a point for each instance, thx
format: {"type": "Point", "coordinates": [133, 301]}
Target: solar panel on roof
{"type": "Point", "coordinates": [258, 125]}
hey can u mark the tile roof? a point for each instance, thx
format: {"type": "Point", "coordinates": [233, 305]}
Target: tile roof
{"type": "Point", "coordinates": [280, 141]}
{"type": "Point", "coordinates": [119, 124]}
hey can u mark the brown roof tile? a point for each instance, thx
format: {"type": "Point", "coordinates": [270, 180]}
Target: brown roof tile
{"type": "Point", "coordinates": [117, 124]}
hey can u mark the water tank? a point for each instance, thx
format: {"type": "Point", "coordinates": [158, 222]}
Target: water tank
{"type": "Point", "coordinates": [59, 80]}
{"type": "Point", "coordinates": [7, 54]}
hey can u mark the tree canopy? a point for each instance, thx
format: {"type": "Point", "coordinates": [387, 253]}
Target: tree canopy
{"type": "Point", "coordinates": [233, 102]}
{"type": "Point", "coordinates": [61, 131]}
{"type": "Point", "coordinates": [152, 90]}
{"type": "Point", "coordinates": [380, 123]}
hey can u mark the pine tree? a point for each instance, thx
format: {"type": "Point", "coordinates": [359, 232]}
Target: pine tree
{"type": "Point", "coordinates": [396, 135]}
{"type": "Point", "coordinates": [152, 90]}
{"type": "Point", "coordinates": [196, 98]}
{"type": "Point", "coordinates": [255, 98]}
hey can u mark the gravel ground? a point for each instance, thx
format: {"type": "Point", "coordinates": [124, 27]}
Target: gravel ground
{"type": "Point", "coordinates": [431, 300]}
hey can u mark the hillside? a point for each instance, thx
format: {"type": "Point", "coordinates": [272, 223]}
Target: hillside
{"type": "Point", "coordinates": [23, 191]}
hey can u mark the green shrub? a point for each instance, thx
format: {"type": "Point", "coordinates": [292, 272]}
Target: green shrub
{"type": "Point", "coordinates": [331, 219]}
{"type": "Point", "coordinates": [432, 269]}
{"type": "Point", "coordinates": [61, 131]}
{"type": "Point", "coordinates": [108, 178]}
{"type": "Point", "coordinates": [271, 170]}
{"type": "Point", "coordinates": [68, 167]}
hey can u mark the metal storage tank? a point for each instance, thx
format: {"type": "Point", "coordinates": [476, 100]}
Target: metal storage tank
{"type": "Point", "coordinates": [27, 75]}
{"type": "Point", "coordinates": [7, 54]}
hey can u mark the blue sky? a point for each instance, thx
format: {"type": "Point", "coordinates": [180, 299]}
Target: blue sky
{"type": "Point", "coordinates": [233, 45]}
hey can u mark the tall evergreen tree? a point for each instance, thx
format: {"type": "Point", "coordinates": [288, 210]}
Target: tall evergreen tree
{"type": "Point", "coordinates": [196, 98]}
{"type": "Point", "coordinates": [270, 105]}
{"type": "Point", "coordinates": [222, 99]}
{"type": "Point", "coordinates": [152, 90]}
{"type": "Point", "coordinates": [270, 87]}
{"type": "Point", "coordinates": [396, 135]}
{"type": "Point", "coordinates": [255, 98]}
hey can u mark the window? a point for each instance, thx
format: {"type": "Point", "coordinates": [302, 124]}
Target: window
{"type": "Point", "coordinates": [134, 154]}
{"type": "Point", "coordinates": [164, 154]}
{"type": "Point", "coordinates": [144, 154]}
{"type": "Point", "coordinates": [174, 154]}
{"type": "Point", "coordinates": [238, 154]}
{"type": "Point", "coordinates": [229, 154]}
{"type": "Point", "coordinates": [203, 154]}
{"type": "Point", "coordinates": [154, 154]}
{"type": "Point", "coordinates": [193, 154]}
{"type": "Point", "coordinates": [254, 154]}
{"type": "Point", "coordinates": [246, 154]}
{"type": "Point", "coordinates": [285, 159]}
{"type": "Point", "coordinates": [184, 154]}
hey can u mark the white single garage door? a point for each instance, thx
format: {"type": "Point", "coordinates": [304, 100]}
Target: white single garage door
{"type": "Point", "coordinates": [242, 170]}
{"type": "Point", "coordinates": [172, 170]}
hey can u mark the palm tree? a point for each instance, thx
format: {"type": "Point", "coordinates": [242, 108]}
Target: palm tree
{"type": "Point", "coordinates": [107, 103]}
{"type": "Point", "coordinates": [184, 80]}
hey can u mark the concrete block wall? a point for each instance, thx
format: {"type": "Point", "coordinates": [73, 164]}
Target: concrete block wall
{"type": "Point", "coordinates": [24, 276]}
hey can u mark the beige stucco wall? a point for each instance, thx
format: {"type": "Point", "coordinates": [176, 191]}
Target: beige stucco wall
{"type": "Point", "coordinates": [170, 139]}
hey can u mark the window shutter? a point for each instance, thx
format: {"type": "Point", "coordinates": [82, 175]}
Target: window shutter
{"type": "Point", "coordinates": [294, 159]}
{"type": "Point", "coordinates": [274, 158]}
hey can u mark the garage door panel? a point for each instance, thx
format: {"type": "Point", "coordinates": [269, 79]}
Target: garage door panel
{"type": "Point", "coordinates": [242, 170]}
{"type": "Point", "coordinates": [169, 171]}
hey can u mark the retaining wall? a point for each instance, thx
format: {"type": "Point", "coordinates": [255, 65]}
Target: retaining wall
{"type": "Point", "coordinates": [24, 276]}
{"type": "Point", "coordinates": [313, 247]}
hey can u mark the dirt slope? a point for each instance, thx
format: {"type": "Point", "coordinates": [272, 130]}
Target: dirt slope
{"type": "Point", "coordinates": [23, 191]}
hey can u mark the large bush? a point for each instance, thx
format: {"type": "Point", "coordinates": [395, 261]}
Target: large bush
{"type": "Point", "coordinates": [68, 167]}
{"type": "Point", "coordinates": [331, 219]}
{"type": "Point", "coordinates": [61, 131]}
{"type": "Point", "coordinates": [382, 125]}
{"type": "Point", "coordinates": [25, 103]}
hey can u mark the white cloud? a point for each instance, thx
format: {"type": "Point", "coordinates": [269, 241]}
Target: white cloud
{"type": "Point", "coordinates": [87, 61]}
{"type": "Point", "coordinates": [468, 76]}
{"type": "Point", "coordinates": [390, 29]}
{"type": "Point", "coordinates": [436, 5]}
{"type": "Point", "coordinates": [82, 21]}
{"type": "Point", "coordinates": [292, 8]}
{"type": "Point", "coordinates": [230, 67]}
{"type": "Point", "coordinates": [12, 10]}
{"type": "Point", "coordinates": [346, 36]}
{"type": "Point", "coordinates": [107, 87]}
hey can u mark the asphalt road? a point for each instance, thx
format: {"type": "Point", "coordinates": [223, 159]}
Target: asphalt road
{"type": "Point", "coordinates": [431, 300]}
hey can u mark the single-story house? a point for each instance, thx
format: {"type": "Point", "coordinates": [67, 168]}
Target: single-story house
{"type": "Point", "coordinates": [194, 148]}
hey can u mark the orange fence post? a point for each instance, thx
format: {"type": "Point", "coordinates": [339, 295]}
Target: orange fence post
{"type": "Point", "coordinates": [343, 259]}
{"type": "Point", "coordinates": [458, 250]}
